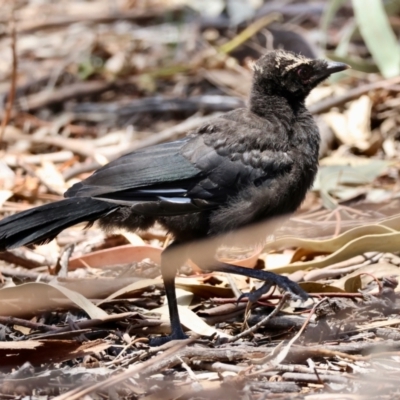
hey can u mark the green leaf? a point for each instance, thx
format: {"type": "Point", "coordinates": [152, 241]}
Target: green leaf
{"type": "Point", "coordinates": [378, 35]}
{"type": "Point", "coordinates": [342, 48]}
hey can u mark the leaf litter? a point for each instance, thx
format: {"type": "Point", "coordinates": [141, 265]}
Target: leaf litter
{"type": "Point", "coordinates": [96, 81]}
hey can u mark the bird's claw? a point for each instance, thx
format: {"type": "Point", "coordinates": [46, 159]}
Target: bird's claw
{"type": "Point", "coordinates": [159, 341]}
{"type": "Point", "coordinates": [255, 294]}
{"type": "Point", "coordinates": [282, 282]}
{"type": "Point", "coordinates": [293, 288]}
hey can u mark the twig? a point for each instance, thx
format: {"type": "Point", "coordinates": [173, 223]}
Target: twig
{"type": "Point", "coordinates": [61, 267]}
{"type": "Point", "coordinates": [217, 300]}
{"type": "Point", "coordinates": [218, 366]}
{"type": "Point", "coordinates": [98, 18]}
{"type": "Point", "coordinates": [141, 368]}
{"type": "Point", "coordinates": [14, 160]}
{"type": "Point", "coordinates": [27, 324]}
{"type": "Point", "coordinates": [379, 284]}
{"type": "Point", "coordinates": [312, 378]}
{"type": "Point", "coordinates": [263, 321]}
{"type": "Point", "coordinates": [327, 104]}
{"type": "Point", "coordinates": [157, 104]}
{"type": "Point", "coordinates": [170, 133]}
{"type": "Point", "coordinates": [94, 323]}
{"type": "Point", "coordinates": [283, 354]}
{"type": "Point", "coordinates": [10, 100]}
{"type": "Point", "coordinates": [119, 357]}
{"type": "Point", "coordinates": [165, 135]}
{"type": "Point", "coordinates": [35, 122]}
{"type": "Point", "coordinates": [82, 147]}
{"type": "Point", "coordinates": [76, 90]}
{"type": "Point", "coordinates": [189, 370]}
{"type": "Point", "coordinates": [30, 275]}
{"type": "Point", "coordinates": [23, 257]}
{"type": "Point", "coordinates": [249, 32]}
{"type": "Point", "coordinates": [31, 172]}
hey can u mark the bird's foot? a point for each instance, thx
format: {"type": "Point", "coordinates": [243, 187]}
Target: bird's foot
{"type": "Point", "coordinates": [255, 294]}
{"type": "Point", "coordinates": [291, 287]}
{"type": "Point", "coordinates": [268, 277]}
{"type": "Point", "coordinates": [159, 341]}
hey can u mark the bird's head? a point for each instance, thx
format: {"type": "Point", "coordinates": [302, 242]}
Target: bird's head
{"type": "Point", "coordinates": [291, 75]}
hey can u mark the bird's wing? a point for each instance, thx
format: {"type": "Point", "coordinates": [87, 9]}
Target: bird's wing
{"type": "Point", "coordinates": [179, 177]}
{"type": "Point", "coordinates": [160, 164]}
{"type": "Point", "coordinates": [153, 180]}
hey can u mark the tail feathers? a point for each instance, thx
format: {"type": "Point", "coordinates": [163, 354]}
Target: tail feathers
{"type": "Point", "coordinates": [42, 224]}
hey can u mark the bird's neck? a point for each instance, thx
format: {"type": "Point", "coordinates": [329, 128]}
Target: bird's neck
{"type": "Point", "coordinates": [264, 104]}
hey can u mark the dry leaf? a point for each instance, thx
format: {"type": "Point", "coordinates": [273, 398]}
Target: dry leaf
{"type": "Point", "coordinates": [353, 127]}
{"type": "Point", "coordinates": [117, 255]}
{"type": "Point", "coordinates": [29, 298]}
{"type": "Point", "coordinates": [37, 352]}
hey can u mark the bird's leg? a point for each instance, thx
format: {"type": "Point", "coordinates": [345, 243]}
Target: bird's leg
{"type": "Point", "coordinates": [169, 265]}
{"type": "Point", "coordinates": [269, 277]}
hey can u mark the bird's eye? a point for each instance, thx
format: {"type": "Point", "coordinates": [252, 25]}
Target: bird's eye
{"type": "Point", "coordinates": [304, 73]}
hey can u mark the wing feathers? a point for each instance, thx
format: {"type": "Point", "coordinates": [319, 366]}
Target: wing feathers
{"type": "Point", "coordinates": [154, 165]}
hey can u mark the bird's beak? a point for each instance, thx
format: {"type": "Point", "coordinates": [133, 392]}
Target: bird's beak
{"type": "Point", "coordinates": [336, 67]}
{"type": "Point", "coordinates": [331, 68]}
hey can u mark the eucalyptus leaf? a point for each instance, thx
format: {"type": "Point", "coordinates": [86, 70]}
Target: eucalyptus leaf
{"type": "Point", "coordinates": [342, 48]}
{"type": "Point", "coordinates": [342, 180]}
{"type": "Point", "coordinates": [378, 35]}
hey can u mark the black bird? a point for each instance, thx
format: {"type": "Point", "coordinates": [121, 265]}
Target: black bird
{"type": "Point", "coordinates": [245, 166]}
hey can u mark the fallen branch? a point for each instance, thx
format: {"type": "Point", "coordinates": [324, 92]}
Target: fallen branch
{"type": "Point", "coordinates": [325, 105]}
{"type": "Point", "coordinates": [131, 15]}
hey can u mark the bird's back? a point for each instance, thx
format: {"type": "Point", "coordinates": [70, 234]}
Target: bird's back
{"type": "Point", "coordinates": [268, 165]}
